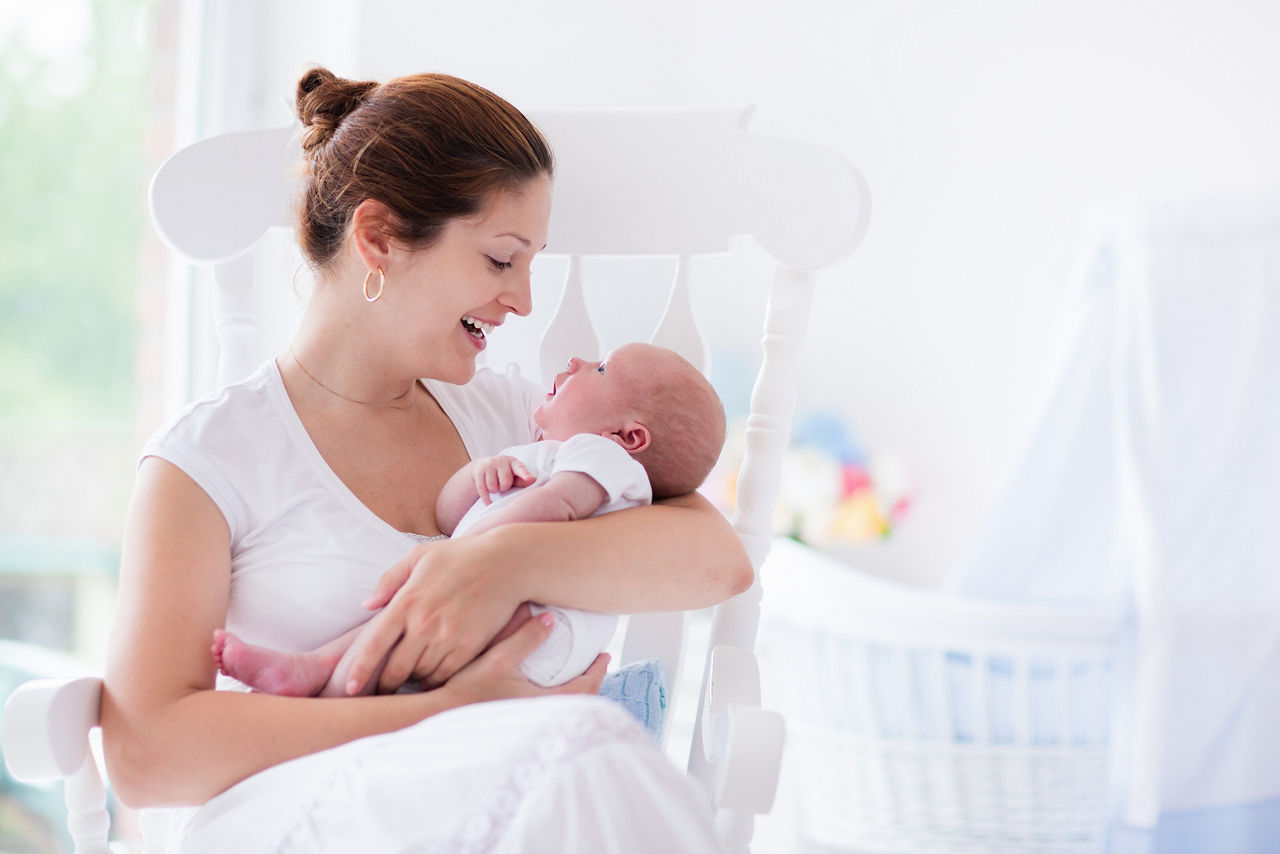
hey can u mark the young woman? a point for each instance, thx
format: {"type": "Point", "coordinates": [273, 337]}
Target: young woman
{"type": "Point", "coordinates": [278, 505]}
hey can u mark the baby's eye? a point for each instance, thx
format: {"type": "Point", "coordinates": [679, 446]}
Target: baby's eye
{"type": "Point", "coordinates": [600, 368]}
{"type": "Point", "coordinates": [499, 265]}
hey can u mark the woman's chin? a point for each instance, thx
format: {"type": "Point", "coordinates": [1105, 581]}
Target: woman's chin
{"type": "Point", "coordinates": [459, 373]}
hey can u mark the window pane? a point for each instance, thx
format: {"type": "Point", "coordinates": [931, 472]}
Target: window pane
{"type": "Point", "coordinates": [78, 90]}
{"type": "Point", "coordinates": [75, 99]}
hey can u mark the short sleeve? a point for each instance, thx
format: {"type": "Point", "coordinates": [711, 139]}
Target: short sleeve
{"type": "Point", "coordinates": [208, 438]}
{"type": "Point", "coordinates": [604, 460]}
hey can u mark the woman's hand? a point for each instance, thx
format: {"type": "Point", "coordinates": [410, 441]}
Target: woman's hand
{"type": "Point", "coordinates": [441, 605]}
{"type": "Point", "coordinates": [496, 675]}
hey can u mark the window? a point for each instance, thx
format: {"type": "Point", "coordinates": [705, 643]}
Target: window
{"type": "Point", "coordinates": [77, 311]}
{"type": "Point", "coordinates": [76, 113]}
{"type": "Point", "coordinates": [83, 118]}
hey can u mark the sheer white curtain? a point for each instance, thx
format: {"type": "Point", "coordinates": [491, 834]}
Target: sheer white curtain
{"type": "Point", "coordinates": [1150, 484]}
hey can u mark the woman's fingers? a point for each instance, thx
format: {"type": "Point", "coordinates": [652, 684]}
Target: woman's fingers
{"type": "Point", "coordinates": [391, 581]}
{"type": "Point", "coordinates": [441, 609]}
{"type": "Point", "coordinates": [399, 667]}
{"type": "Point", "coordinates": [522, 614]}
{"type": "Point", "coordinates": [440, 673]}
{"type": "Point", "coordinates": [588, 682]}
{"type": "Point", "coordinates": [512, 651]}
{"type": "Point", "coordinates": [378, 637]}
{"type": "Point", "coordinates": [462, 655]}
{"type": "Point", "coordinates": [465, 650]}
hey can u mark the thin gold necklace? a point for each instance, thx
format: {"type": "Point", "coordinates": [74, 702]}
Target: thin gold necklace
{"type": "Point", "coordinates": [407, 403]}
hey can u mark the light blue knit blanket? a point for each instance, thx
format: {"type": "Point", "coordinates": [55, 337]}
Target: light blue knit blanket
{"type": "Point", "coordinates": [638, 687]}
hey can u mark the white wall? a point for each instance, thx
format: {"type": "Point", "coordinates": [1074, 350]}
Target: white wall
{"type": "Point", "coordinates": [987, 131]}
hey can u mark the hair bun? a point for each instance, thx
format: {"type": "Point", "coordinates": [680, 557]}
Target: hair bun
{"type": "Point", "coordinates": [324, 100]}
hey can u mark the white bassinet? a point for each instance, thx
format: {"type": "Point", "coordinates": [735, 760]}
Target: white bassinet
{"type": "Point", "coordinates": [919, 721]}
{"type": "Point", "coordinates": [1147, 486]}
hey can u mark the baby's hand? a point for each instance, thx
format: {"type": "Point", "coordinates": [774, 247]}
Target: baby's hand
{"type": "Point", "coordinates": [498, 474]}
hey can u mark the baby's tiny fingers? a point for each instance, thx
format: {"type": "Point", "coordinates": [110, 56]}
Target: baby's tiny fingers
{"type": "Point", "coordinates": [481, 489]}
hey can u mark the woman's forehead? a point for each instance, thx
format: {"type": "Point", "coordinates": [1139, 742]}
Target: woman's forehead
{"type": "Point", "coordinates": [522, 213]}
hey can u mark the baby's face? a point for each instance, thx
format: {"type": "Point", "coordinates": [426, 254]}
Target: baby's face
{"type": "Point", "coordinates": [599, 397]}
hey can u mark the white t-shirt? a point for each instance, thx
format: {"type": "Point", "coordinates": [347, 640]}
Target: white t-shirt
{"type": "Point", "coordinates": [551, 774]}
{"type": "Point", "coordinates": [305, 552]}
{"type": "Point", "coordinates": [578, 636]}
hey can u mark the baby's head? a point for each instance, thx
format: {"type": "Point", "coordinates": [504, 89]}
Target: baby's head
{"type": "Point", "coordinates": [652, 402]}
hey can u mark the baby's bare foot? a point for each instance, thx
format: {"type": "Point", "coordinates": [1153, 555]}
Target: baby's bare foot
{"type": "Point", "coordinates": [270, 671]}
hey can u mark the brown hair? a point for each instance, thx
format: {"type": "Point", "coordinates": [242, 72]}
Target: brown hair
{"type": "Point", "coordinates": [429, 146]}
{"type": "Point", "coordinates": [687, 429]}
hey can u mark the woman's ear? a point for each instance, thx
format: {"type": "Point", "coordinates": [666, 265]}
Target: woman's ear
{"type": "Point", "coordinates": [633, 436]}
{"type": "Point", "coordinates": [371, 233]}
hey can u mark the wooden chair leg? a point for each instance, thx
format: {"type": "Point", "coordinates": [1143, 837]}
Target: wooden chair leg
{"type": "Point", "coordinates": [87, 817]}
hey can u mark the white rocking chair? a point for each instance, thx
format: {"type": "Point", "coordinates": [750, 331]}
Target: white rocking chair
{"type": "Point", "coordinates": [672, 183]}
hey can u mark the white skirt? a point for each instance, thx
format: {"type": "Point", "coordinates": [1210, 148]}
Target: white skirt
{"type": "Point", "coordinates": [554, 774]}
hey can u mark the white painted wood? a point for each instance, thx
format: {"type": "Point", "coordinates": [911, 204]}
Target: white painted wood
{"type": "Point", "coordinates": [46, 737]}
{"type": "Point", "coordinates": [237, 324]}
{"type": "Point", "coordinates": [735, 622]}
{"type": "Point", "coordinates": [571, 331]}
{"type": "Point", "coordinates": [662, 636]}
{"type": "Point", "coordinates": [86, 798]}
{"type": "Point", "coordinates": [215, 198]}
{"type": "Point", "coordinates": [678, 329]}
{"type": "Point", "coordinates": [750, 753]}
{"type": "Point", "coordinates": [676, 182]}
{"type": "Point", "coordinates": [46, 727]}
{"type": "Point", "coordinates": [733, 679]}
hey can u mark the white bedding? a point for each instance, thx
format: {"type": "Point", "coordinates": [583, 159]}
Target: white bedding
{"type": "Point", "coordinates": [555, 774]}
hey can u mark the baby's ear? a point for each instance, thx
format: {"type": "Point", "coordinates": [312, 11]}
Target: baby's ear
{"type": "Point", "coordinates": [633, 436]}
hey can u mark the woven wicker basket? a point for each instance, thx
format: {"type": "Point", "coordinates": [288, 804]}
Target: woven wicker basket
{"type": "Point", "coordinates": [919, 722]}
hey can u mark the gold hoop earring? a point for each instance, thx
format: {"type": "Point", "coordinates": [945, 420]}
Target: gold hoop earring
{"type": "Point", "coordinates": [382, 283]}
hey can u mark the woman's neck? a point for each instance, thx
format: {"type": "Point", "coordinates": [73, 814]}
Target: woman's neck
{"type": "Point", "coordinates": [401, 401]}
{"type": "Point", "coordinates": [334, 363]}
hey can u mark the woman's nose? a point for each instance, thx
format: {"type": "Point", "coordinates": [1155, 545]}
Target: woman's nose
{"type": "Point", "coordinates": [518, 298]}
{"type": "Point", "coordinates": [575, 364]}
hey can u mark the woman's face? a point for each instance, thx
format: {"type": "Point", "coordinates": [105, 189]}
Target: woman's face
{"type": "Point", "coordinates": [450, 296]}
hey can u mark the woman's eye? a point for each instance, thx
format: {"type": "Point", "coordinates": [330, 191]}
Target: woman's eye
{"type": "Point", "coordinates": [600, 368]}
{"type": "Point", "coordinates": [500, 265]}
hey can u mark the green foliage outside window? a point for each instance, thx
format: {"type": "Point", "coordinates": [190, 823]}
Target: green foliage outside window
{"type": "Point", "coordinates": [74, 99]}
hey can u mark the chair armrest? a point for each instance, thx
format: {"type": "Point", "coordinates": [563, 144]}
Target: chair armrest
{"type": "Point", "coordinates": [46, 727]}
{"type": "Point", "coordinates": [742, 739]}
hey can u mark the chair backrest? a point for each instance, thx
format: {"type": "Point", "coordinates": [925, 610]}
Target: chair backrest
{"type": "Point", "coordinates": [630, 183]}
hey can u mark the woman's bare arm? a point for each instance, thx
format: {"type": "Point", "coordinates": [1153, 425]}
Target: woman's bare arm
{"type": "Point", "coordinates": [445, 600]}
{"type": "Point", "coordinates": [169, 738]}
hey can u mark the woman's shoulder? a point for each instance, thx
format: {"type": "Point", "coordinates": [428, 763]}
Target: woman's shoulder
{"type": "Point", "coordinates": [225, 414]}
{"type": "Point", "coordinates": [231, 443]}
